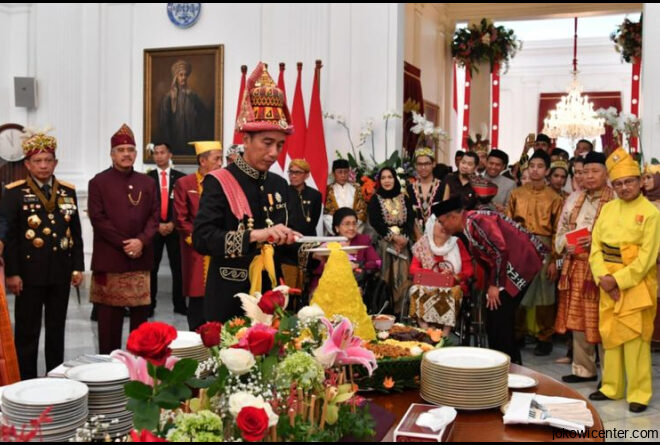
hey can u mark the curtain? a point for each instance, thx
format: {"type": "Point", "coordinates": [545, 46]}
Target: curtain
{"type": "Point", "coordinates": [413, 100]}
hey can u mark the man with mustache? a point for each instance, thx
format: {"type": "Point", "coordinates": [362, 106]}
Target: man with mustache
{"type": "Point", "coordinates": [243, 210]}
{"type": "Point", "coordinates": [124, 211]}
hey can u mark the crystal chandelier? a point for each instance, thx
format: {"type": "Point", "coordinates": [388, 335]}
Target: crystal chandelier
{"type": "Point", "coordinates": [574, 118]}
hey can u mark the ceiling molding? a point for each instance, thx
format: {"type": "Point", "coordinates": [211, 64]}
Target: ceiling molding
{"type": "Point", "coordinates": [15, 8]}
{"type": "Point", "coordinates": [527, 11]}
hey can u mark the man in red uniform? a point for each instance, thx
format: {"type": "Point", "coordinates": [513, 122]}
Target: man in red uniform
{"type": "Point", "coordinates": [511, 257]}
{"type": "Point", "coordinates": [187, 193]}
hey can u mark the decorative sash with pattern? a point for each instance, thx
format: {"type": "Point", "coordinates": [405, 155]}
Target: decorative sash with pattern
{"type": "Point", "coordinates": [238, 202]}
{"type": "Point", "coordinates": [590, 289]}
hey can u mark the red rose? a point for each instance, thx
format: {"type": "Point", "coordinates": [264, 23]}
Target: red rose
{"type": "Point", "coordinates": [151, 341]}
{"type": "Point", "coordinates": [253, 423]}
{"type": "Point", "coordinates": [259, 339]}
{"type": "Point", "coordinates": [270, 300]}
{"type": "Point", "coordinates": [145, 436]}
{"type": "Point", "coordinates": [210, 333]}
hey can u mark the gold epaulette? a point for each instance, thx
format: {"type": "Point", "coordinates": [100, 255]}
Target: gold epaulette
{"type": "Point", "coordinates": [15, 184]}
{"type": "Point", "coordinates": [66, 184]}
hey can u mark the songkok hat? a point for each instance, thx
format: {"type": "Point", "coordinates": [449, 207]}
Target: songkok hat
{"type": "Point", "coordinates": [424, 151]}
{"type": "Point", "coordinates": [301, 164]}
{"type": "Point", "coordinates": [560, 152]}
{"type": "Point", "coordinates": [35, 142]}
{"type": "Point", "coordinates": [123, 137]}
{"type": "Point", "coordinates": [621, 165]}
{"type": "Point", "coordinates": [340, 163]}
{"type": "Point", "coordinates": [594, 157]}
{"type": "Point", "coordinates": [500, 155]}
{"type": "Point", "coordinates": [204, 146]}
{"type": "Point", "coordinates": [263, 107]}
{"type": "Point", "coordinates": [482, 187]}
{"type": "Point", "coordinates": [542, 138]}
{"type": "Point", "coordinates": [443, 207]}
{"type": "Point", "coordinates": [541, 154]}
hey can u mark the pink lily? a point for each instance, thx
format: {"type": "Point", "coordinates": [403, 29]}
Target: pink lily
{"type": "Point", "coordinates": [137, 366]}
{"type": "Point", "coordinates": [342, 348]}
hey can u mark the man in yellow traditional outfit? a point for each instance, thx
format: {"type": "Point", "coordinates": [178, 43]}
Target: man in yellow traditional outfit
{"type": "Point", "coordinates": [623, 256]}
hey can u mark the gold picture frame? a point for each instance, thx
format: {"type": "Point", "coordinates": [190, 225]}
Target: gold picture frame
{"type": "Point", "coordinates": [183, 98]}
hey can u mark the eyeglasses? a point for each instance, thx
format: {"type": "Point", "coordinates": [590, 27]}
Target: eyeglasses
{"type": "Point", "coordinates": [296, 172]}
{"type": "Point", "coordinates": [625, 182]}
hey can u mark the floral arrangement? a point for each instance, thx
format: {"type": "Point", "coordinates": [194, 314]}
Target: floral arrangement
{"type": "Point", "coordinates": [628, 41]}
{"type": "Point", "coordinates": [625, 126]}
{"type": "Point", "coordinates": [274, 376]}
{"type": "Point", "coordinates": [484, 42]}
{"type": "Point", "coordinates": [366, 133]}
{"type": "Point", "coordinates": [430, 136]}
{"type": "Point", "coordinates": [364, 171]}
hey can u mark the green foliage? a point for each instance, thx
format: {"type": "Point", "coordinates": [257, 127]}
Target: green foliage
{"type": "Point", "coordinates": [169, 391]}
{"type": "Point", "coordinates": [204, 426]}
{"type": "Point", "coordinates": [359, 425]}
{"type": "Point", "coordinates": [627, 40]}
{"type": "Point", "coordinates": [484, 43]}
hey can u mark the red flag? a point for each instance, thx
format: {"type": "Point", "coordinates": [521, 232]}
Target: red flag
{"type": "Point", "coordinates": [238, 137]}
{"type": "Point", "coordinates": [315, 151]}
{"type": "Point", "coordinates": [285, 148]}
{"type": "Point", "coordinates": [296, 142]}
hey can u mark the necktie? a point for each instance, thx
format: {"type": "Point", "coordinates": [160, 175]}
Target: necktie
{"type": "Point", "coordinates": [163, 196]}
{"type": "Point", "coordinates": [46, 189]}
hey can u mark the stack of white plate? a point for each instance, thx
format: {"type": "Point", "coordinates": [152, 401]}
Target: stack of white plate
{"type": "Point", "coordinates": [106, 394]}
{"type": "Point", "coordinates": [189, 345]}
{"type": "Point", "coordinates": [465, 378]}
{"type": "Point", "coordinates": [26, 400]}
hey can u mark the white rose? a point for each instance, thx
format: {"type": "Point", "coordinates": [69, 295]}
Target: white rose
{"type": "Point", "coordinates": [242, 399]}
{"type": "Point", "coordinates": [239, 401]}
{"type": "Point", "coordinates": [310, 313]}
{"type": "Point", "coordinates": [238, 361]}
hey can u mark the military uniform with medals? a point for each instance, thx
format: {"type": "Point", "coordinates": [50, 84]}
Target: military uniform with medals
{"type": "Point", "coordinates": [43, 245]}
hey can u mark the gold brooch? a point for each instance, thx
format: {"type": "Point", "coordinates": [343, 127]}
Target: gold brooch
{"type": "Point", "coordinates": [33, 221]}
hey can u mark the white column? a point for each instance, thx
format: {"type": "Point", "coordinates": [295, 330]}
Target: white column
{"type": "Point", "coordinates": [650, 99]}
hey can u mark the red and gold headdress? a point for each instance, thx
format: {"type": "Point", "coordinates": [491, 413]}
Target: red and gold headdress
{"type": "Point", "coordinates": [263, 107]}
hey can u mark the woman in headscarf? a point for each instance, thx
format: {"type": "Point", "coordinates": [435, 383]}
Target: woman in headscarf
{"type": "Point", "coordinates": [438, 252]}
{"type": "Point", "coordinates": [391, 215]}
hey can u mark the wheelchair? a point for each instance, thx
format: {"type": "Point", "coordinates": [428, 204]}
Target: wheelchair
{"type": "Point", "coordinates": [471, 318]}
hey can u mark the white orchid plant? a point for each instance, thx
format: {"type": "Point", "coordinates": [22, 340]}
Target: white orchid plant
{"type": "Point", "coordinates": [625, 126]}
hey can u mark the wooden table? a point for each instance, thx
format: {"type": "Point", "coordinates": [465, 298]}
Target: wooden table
{"type": "Point", "coordinates": [487, 425]}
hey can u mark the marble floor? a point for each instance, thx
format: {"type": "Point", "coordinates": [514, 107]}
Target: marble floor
{"type": "Point", "coordinates": [82, 338]}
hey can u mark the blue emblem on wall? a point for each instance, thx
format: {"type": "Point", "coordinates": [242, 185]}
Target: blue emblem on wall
{"type": "Point", "coordinates": [184, 15]}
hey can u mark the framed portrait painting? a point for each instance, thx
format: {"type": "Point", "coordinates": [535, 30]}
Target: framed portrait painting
{"type": "Point", "coordinates": [183, 90]}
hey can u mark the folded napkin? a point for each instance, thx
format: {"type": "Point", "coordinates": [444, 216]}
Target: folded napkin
{"type": "Point", "coordinates": [560, 412]}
